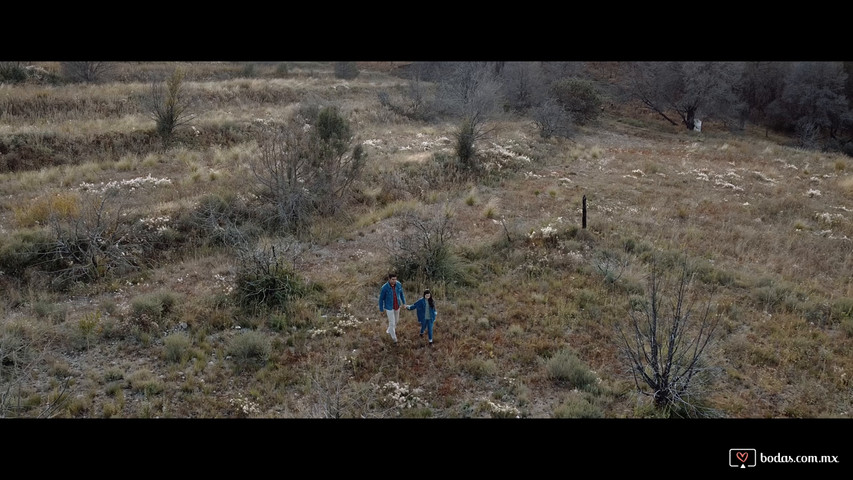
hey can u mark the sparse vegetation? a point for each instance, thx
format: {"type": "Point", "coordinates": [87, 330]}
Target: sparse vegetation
{"type": "Point", "coordinates": [235, 272]}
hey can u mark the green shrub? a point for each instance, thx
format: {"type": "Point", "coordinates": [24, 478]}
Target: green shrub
{"type": "Point", "coordinates": [465, 136]}
{"type": "Point", "coordinates": [579, 98]}
{"type": "Point", "coordinates": [565, 367]}
{"type": "Point", "coordinates": [268, 282]}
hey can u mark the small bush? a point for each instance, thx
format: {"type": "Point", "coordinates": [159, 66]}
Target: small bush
{"type": "Point", "coordinates": [21, 250]}
{"type": "Point", "coordinates": [266, 281]}
{"type": "Point", "coordinates": [113, 375]}
{"type": "Point", "coordinates": [15, 348]}
{"type": "Point", "coordinates": [346, 70]}
{"type": "Point", "coordinates": [53, 312]}
{"type": "Point", "coordinates": [39, 211]}
{"type": "Point", "coordinates": [155, 306]}
{"type": "Point", "coordinates": [176, 347]}
{"type": "Point", "coordinates": [250, 347]}
{"type": "Point", "coordinates": [12, 72]}
{"type": "Point", "coordinates": [577, 407]}
{"type": "Point", "coordinates": [847, 327]}
{"type": "Point", "coordinates": [145, 382]}
{"type": "Point", "coordinates": [465, 136]}
{"type": "Point", "coordinates": [565, 367]}
{"type": "Point", "coordinates": [843, 308]}
{"type": "Point", "coordinates": [480, 368]}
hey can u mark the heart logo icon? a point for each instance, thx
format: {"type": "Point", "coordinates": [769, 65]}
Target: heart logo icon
{"type": "Point", "coordinates": [742, 456]}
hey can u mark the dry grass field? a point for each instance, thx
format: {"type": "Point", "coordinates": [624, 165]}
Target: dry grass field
{"type": "Point", "coordinates": [528, 331]}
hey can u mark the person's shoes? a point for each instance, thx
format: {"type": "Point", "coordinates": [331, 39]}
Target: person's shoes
{"type": "Point", "coordinates": [430, 343]}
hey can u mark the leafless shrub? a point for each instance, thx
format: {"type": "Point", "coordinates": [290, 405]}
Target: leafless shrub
{"type": "Point", "coordinates": [665, 339]}
{"type": "Point", "coordinates": [98, 241]}
{"type": "Point", "coordinates": [88, 72]}
{"type": "Point", "coordinates": [551, 119]}
{"type": "Point", "coordinates": [423, 250]}
{"type": "Point", "coordinates": [214, 221]}
{"type": "Point", "coordinates": [307, 166]}
{"type": "Point", "coordinates": [336, 393]}
{"type": "Point", "coordinates": [413, 104]}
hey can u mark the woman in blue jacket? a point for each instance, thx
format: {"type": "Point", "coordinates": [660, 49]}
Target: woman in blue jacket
{"type": "Point", "coordinates": [426, 313]}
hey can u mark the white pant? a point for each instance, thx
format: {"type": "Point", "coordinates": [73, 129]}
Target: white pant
{"type": "Point", "coordinates": [393, 316]}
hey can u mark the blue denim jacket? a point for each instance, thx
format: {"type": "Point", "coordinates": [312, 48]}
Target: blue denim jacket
{"type": "Point", "coordinates": [386, 298]}
{"type": "Point", "coordinates": [422, 306]}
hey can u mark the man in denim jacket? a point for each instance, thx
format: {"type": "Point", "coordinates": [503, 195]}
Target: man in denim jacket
{"type": "Point", "coordinates": [391, 298]}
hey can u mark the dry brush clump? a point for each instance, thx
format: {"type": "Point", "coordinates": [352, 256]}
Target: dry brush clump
{"type": "Point", "coordinates": [307, 166]}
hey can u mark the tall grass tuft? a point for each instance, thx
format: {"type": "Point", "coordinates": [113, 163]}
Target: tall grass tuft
{"type": "Point", "coordinates": [575, 406]}
{"type": "Point", "coordinates": [250, 348]}
{"type": "Point", "coordinates": [564, 367]}
{"type": "Point", "coordinates": [176, 347]}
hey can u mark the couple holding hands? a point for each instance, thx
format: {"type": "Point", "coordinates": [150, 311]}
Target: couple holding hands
{"type": "Point", "coordinates": [391, 298]}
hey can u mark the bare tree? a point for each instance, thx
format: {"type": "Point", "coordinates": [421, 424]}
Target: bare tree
{"type": "Point", "coordinates": [665, 340]}
{"type": "Point", "coordinates": [523, 84]}
{"type": "Point", "coordinates": [469, 92]}
{"type": "Point", "coordinates": [685, 89]}
{"type": "Point", "coordinates": [169, 105]}
{"type": "Point", "coordinates": [88, 72]}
